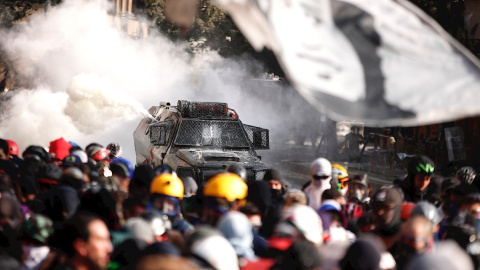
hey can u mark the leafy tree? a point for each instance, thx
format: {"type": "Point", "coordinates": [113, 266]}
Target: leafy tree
{"type": "Point", "coordinates": [213, 29]}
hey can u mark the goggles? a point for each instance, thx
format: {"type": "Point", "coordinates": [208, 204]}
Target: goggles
{"type": "Point", "coordinates": [343, 183]}
{"type": "Point", "coordinates": [166, 204]}
{"type": "Point", "coordinates": [320, 177]}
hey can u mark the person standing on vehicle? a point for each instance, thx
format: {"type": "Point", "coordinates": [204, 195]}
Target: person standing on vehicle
{"type": "Point", "coordinates": [353, 141]}
{"type": "Point", "coordinates": [166, 192]}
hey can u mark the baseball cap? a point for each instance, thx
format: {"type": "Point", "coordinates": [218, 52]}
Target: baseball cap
{"type": "Point", "coordinates": [71, 161]}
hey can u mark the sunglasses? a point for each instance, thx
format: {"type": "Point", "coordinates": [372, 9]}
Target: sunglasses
{"type": "Point", "coordinates": [320, 177]}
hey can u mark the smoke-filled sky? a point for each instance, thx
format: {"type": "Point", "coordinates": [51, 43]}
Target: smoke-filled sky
{"type": "Point", "coordinates": [93, 83]}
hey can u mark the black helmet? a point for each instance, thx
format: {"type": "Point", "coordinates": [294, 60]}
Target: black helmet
{"type": "Point", "coordinates": [162, 168]}
{"type": "Point", "coordinates": [115, 150]}
{"type": "Point", "coordinates": [238, 169]}
{"type": "Point", "coordinates": [466, 174]}
{"type": "Point", "coordinates": [421, 165]}
{"type": "Point", "coordinates": [36, 152]}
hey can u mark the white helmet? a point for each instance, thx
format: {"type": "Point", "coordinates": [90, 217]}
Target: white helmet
{"type": "Point", "coordinates": [307, 221]}
{"type": "Point", "coordinates": [208, 245]}
{"type": "Point", "coordinates": [321, 167]}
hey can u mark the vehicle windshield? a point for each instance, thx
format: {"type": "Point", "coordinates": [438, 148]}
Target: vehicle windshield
{"type": "Point", "coordinates": [216, 133]}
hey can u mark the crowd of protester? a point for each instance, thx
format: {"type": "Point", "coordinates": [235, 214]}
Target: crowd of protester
{"type": "Point", "coordinates": [68, 207]}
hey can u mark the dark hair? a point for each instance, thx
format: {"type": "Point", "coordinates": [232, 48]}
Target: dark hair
{"type": "Point", "coordinates": [331, 194]}
{"type": "Point", "coordinates": [119, 169]}
{"type": "Point", "coordinates": [238, 169]}
{"type": "Point", "coordinates": [250, 209]}
{"type": "Point", "coordinates": [163, 168]}
{"type": "Point", "coordinates": [4, 146]}
{"type": "Point", "coordinates": [141, 179]}
{"type": "Point", "coordinates": [74, 148]}
{"type": "Point", "coordinates": [136, 200]}
{"type": "Point", "coordinates": [74, 228]}
{"type": "Point", "coordinates": [100, 201]}
{"type": "Point", "coordinates": [92, 145]}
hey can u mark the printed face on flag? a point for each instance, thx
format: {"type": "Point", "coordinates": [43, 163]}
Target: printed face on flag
{"type": "Point", "coordinates": [383, 63]}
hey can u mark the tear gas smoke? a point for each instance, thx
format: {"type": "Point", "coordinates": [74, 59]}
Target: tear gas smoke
{"type": "Point", "coordinates": [90, 97]}
{"type": "Point", "coordinates": [89, 82]}
{"type": "Point", "coordinates": [86, 79]}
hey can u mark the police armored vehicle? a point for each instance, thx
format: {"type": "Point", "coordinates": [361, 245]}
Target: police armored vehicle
{"type": "Point", "coordinates": [199, 139]}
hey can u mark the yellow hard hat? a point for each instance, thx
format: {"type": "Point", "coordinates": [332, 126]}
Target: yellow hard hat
{"type": "Point", "coordinates": [167, 184]}
{"type": "Point", "coordinates": [340, 173]}
{"type": "Point", "coordinates": [226, 185]}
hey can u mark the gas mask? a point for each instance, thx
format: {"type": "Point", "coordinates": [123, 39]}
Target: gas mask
{"type": "Point", "coordinates": [357, 194]}
{"type": "Point", "coordinates": [166, 205]}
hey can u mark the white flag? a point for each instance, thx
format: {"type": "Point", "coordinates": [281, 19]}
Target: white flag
{"type": "Point", "coordinates": [383, 62]}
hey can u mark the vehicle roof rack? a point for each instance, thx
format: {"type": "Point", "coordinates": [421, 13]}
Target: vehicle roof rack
{"type": "Point", "coordinates": [196, 109]}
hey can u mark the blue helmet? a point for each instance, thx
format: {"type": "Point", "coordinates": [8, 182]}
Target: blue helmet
{"type": "Point", "coordinates": [127, 163]}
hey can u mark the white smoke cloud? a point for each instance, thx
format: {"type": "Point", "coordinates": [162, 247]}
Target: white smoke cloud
{"type": "Point", "coordinates": [92, 97]}
{"type": "Point", "coordinates": [92, 83]}
{"type": "Point", "coordinates": [87, 77]}
{"type": "Point", "coordinates": [33, 116]}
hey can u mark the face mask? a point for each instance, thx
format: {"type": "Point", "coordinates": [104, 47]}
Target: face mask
{"type": "Point", "coordinates": [167, 206]}
{"type": "Point", "coordinates": [276, 193]}
{"type": "Point", "coordinates": [419, 193]}
{"type": "Point", "coordinates": [321, 182]}
{"type": "Point", "coordinates": [389, 223]}
{"type": "Point", "coordinates": [357, 194]}
{"type": "Point", "coordinates": [317, 183]}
